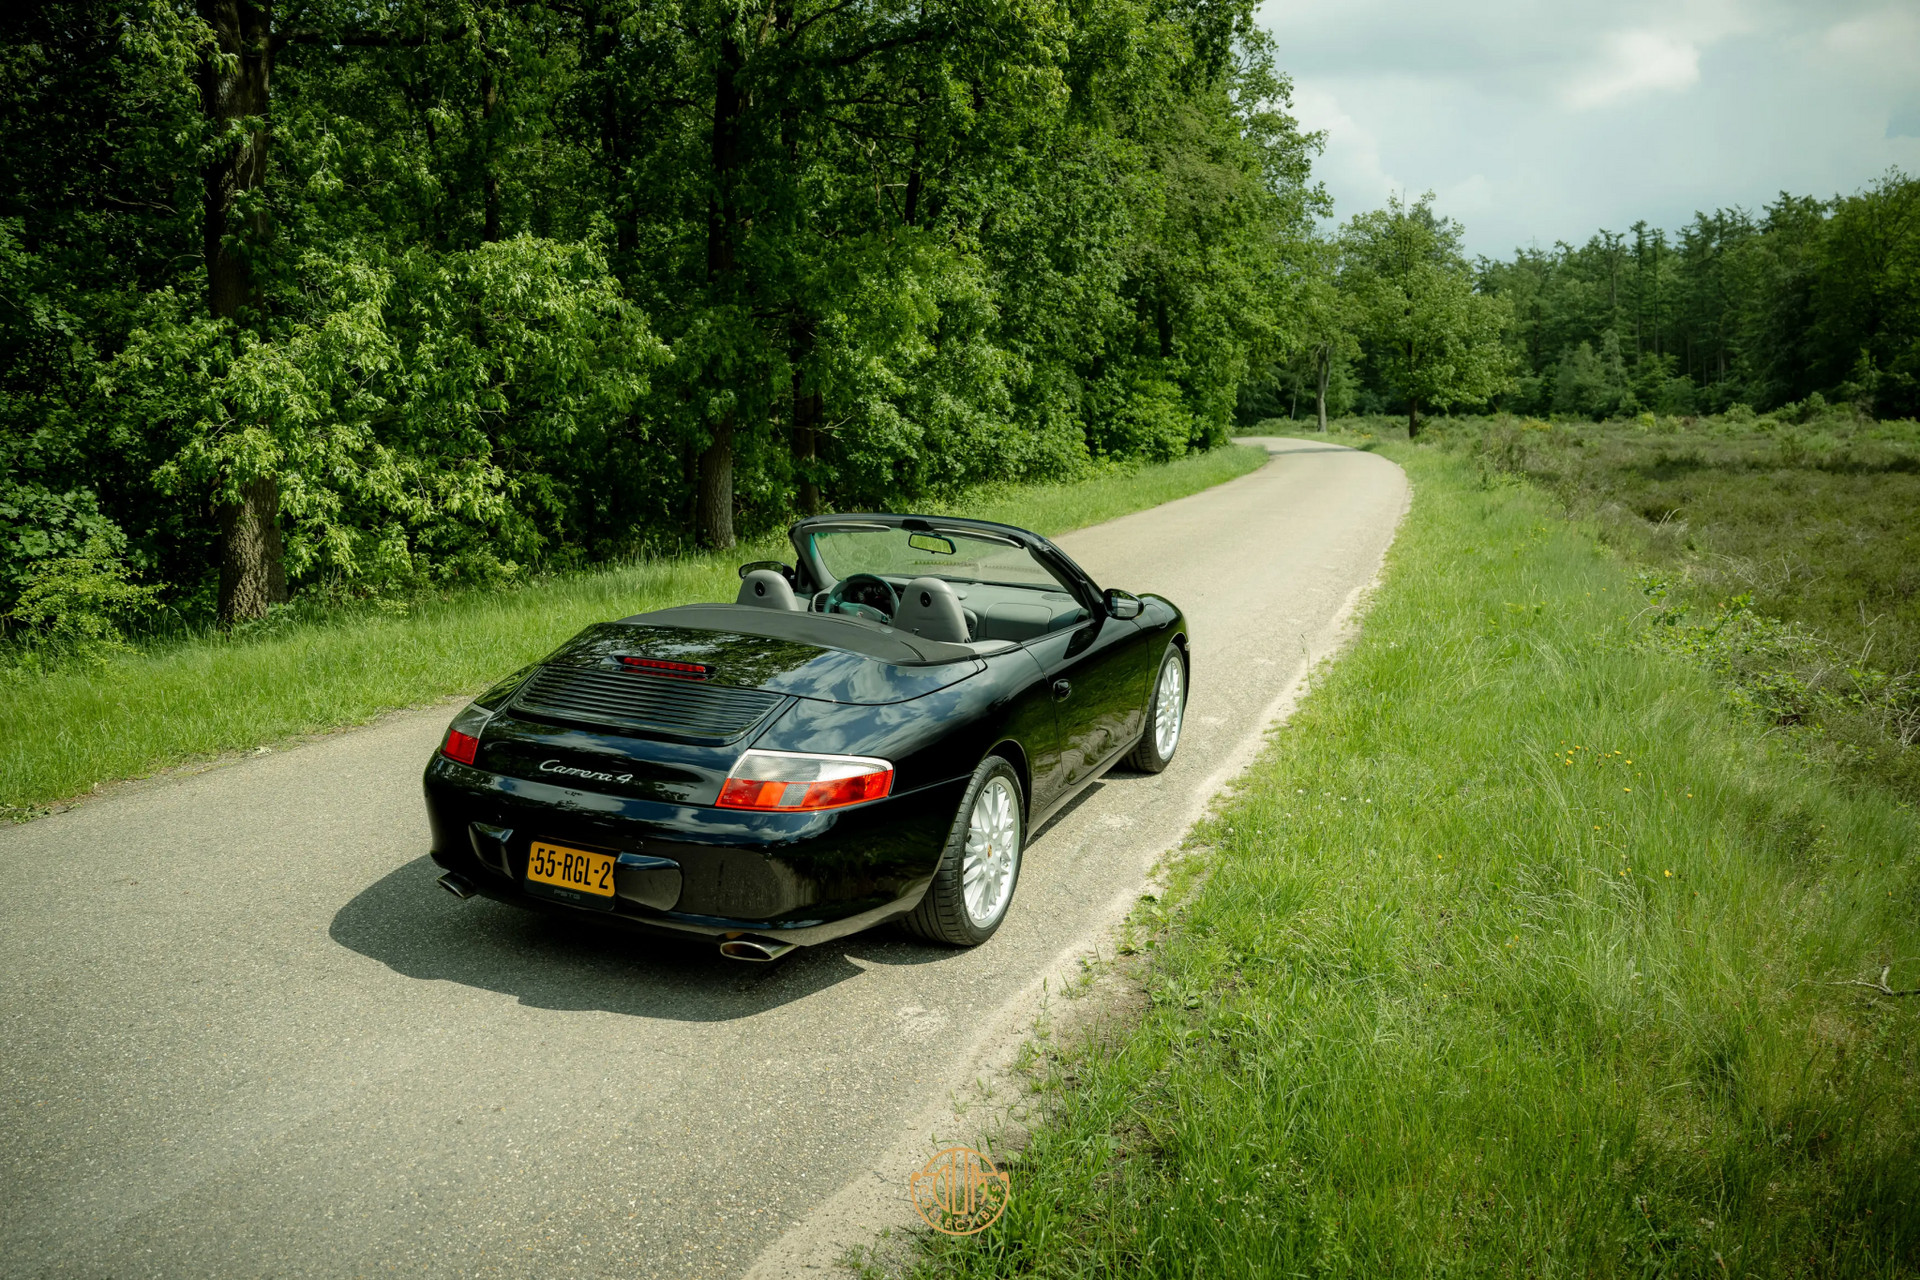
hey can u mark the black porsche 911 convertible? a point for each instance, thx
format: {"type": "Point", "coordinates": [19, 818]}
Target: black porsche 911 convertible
{"type": "Point", "coordinates": [868, 734]}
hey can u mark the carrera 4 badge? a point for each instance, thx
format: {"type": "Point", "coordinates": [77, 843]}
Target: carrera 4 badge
{"type": "Point", "coordinates": [554, 766]}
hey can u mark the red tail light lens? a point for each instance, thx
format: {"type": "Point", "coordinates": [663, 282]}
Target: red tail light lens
{"type": "Point", "coordinates": [463, 735]}
{"type": "Point", "coordinates": [791, 782]}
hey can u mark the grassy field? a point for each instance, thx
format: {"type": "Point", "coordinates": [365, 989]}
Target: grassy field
{"type": "Point", "coordinates": [61, 734]}
{"type": "Point", "coordinates": [1787, 554]}
{"type": "Point", "coordinates": [1782, 552]}
{"type": "Point", "coordinates": [1515, 955]}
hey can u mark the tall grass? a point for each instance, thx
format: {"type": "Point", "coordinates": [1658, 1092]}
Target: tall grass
{"type": "Point", "coordinates": [62, 733]}
{"type": "Point", "coordinates": [1512, 956]}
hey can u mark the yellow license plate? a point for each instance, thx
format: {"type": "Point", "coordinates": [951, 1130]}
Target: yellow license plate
{"type": "Point", "coordinates": [568, 872]}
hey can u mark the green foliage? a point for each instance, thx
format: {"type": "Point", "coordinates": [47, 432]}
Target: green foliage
{"type": "Point", "coordinates": [1387, 313]}
{"type": "Point", "coordinates": [1514, 954]}
{"type": "Point", "coordinates": [37, 525]}
{"type": "Point", "coordinates": [1587, 385]}
{"type": "Point", "coordinates": [516, 272]}
{"type": "Point", "coordinates": [1781, 672]}
{"type": "Point", "coordinates": [1431, 338]}
{"type": "Point", "coordinates": [75, 606]}
{"type": "Point", "coordinates": [1810, 297]}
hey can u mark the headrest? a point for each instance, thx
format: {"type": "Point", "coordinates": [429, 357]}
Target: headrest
{"type": "Point", "coordinates": [930, 609]}
{"type": "Point", "coordinates": [767, 589]}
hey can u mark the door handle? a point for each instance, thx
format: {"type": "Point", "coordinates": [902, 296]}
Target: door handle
{"type": "Point", "coordinates": [1062, 690]}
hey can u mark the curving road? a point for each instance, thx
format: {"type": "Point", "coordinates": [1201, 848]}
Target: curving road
{"type": "Point", "coordinates": [242, 1033]}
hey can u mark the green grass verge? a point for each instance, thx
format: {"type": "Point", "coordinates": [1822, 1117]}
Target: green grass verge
{"type": "Point", "coordinates": [60, 734]}
{"type": "Point", "coordinates": [1786, 555]}
{"type": "Point", "coordinates": [1512, 956]}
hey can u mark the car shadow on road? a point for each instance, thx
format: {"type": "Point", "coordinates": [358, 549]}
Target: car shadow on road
{"type": "Point", "coordinates": [553, 961]}
{"type": "Point", "coordinates": [1093, 789]}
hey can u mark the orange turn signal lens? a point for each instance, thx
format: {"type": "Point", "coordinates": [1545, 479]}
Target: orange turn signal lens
{"type": "Point", "coordinates": [792, 782]}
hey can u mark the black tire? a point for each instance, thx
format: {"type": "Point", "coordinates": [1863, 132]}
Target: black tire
{"type": "Point", "coordinates": [943, 915]}
{"type": "Point", "coordinates": [1146, 755]}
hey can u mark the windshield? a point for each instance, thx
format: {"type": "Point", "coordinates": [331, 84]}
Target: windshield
{"type": "Point", "coordinates": [953, 554]}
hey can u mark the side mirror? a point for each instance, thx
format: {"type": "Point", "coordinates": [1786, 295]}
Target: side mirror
{"type": "Point", "coordinates": [1124, 604]}
{"type": "Point", "coordinates": [784, 571]}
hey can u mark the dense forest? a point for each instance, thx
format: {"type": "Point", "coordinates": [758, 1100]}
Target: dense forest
{"type": "Point", "coordinates": [351, 299]}
{"type": "Point", "coordinates": [1810, 299]}
{"type": "Point", "coordinates": [354, 298]}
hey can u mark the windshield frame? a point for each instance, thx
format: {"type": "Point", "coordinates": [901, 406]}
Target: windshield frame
{"type": "Point", "coordinates": [1069, 576]}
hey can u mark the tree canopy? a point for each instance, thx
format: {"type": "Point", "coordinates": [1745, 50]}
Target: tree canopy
{"type": "Point", "coordinates": [1810, 297]}
{"type": "Point", "coordinates": [1424, 330]}
{"type": "Point", "coordinates": [350, 297]}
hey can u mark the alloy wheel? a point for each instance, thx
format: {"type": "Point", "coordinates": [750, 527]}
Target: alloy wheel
{"type": "Point", "coordinates": [1168, 706]}
{"type": "Point", "coordinates": [993, 852]}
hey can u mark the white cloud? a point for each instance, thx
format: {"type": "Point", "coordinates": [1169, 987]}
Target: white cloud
{"type": "Point", "coordinates": [1351, 162]}
{"type": "Point", "coordinates": [1545, 120]}
{"type": "Point", "coordinates": [1885, 37]}
{"type": "Point", "coordinates": [1468, 198]}
{"type": "Point", "coordinates": [1636, 62]}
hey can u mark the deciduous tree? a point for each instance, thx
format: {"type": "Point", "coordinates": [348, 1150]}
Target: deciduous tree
{"type": "Point", "coordinates": [1429, 334]}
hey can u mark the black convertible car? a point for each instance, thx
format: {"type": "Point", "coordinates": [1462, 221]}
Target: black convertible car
{"type": "Point", "coordinates": [865, 735]}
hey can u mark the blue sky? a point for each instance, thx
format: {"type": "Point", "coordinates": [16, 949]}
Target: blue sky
{"type": "Point", "coordinates": [1541, 120]}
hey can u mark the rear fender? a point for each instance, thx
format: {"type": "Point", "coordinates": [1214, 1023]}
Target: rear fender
{"type": "Point", "coordinates": [935, 738]}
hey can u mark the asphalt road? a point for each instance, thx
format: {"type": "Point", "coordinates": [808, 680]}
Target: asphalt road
{"type": "Point", "coordinates": [242, 1033]}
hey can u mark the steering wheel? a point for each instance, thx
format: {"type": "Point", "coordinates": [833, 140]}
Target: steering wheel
{"type": "Point", "coordinates": [866, 585]}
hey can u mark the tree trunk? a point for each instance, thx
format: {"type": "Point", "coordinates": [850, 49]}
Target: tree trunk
{"type": "Point", "coordinates": [726, 110]}
{"type": "Point", "coordinates": [1324, 370]}
{"type": "Point", "coordinates": [806, 447]}
{"type": "Point", "coordinates": [713, 499]}
{"type": "Point", "coordinates": [616, 135]}
{"type": "Point", "coordinates": [231, 92]}
{"type": "Point", "coordinates": [253, 571]}
{"type": "Point", "coordinates": [489, 175]}
{"type": "Point", "coordinates": [807, 407]}
{"type": "Point", "coordinates": [232, 89]}
{"type": "Point", "coordinates": [1413, 419]}
{"type": "Point", "coordinates": [913, 185]}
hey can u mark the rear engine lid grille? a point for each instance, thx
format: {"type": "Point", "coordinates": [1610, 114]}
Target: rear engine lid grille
{"type": "Point", "coordinates": [681, 709]}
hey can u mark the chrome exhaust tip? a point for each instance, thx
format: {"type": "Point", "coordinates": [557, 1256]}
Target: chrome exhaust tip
{"type": "Point", "coordinates": [456, 884]}
{"type": "Point", "coordinates": [754, 950]}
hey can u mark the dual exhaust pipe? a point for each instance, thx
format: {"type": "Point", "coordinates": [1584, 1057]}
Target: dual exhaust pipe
{"type": "Point", "coordinates": [751, 950]}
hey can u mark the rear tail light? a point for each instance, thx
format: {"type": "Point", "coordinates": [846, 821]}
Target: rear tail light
{"type": "Point", "coordinates": [791, 782]}
{"type": "Point", "coordinates": [463, 735]}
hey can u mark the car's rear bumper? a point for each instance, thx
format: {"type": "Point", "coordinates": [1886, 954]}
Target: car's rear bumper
{"type": "Point", "coordinates": [693, 869]}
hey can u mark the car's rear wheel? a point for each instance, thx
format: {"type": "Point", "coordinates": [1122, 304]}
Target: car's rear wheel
{"type": "Point", "coordinates": [1166, 714]}
{"type": "Point", "coordinates": [980, 865]}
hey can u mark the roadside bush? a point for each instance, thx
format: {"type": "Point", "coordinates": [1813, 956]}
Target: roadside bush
{"type": "Point", "coordinates": [38, 525]}
{"type": "Point", "coordinates": [75, 607]}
